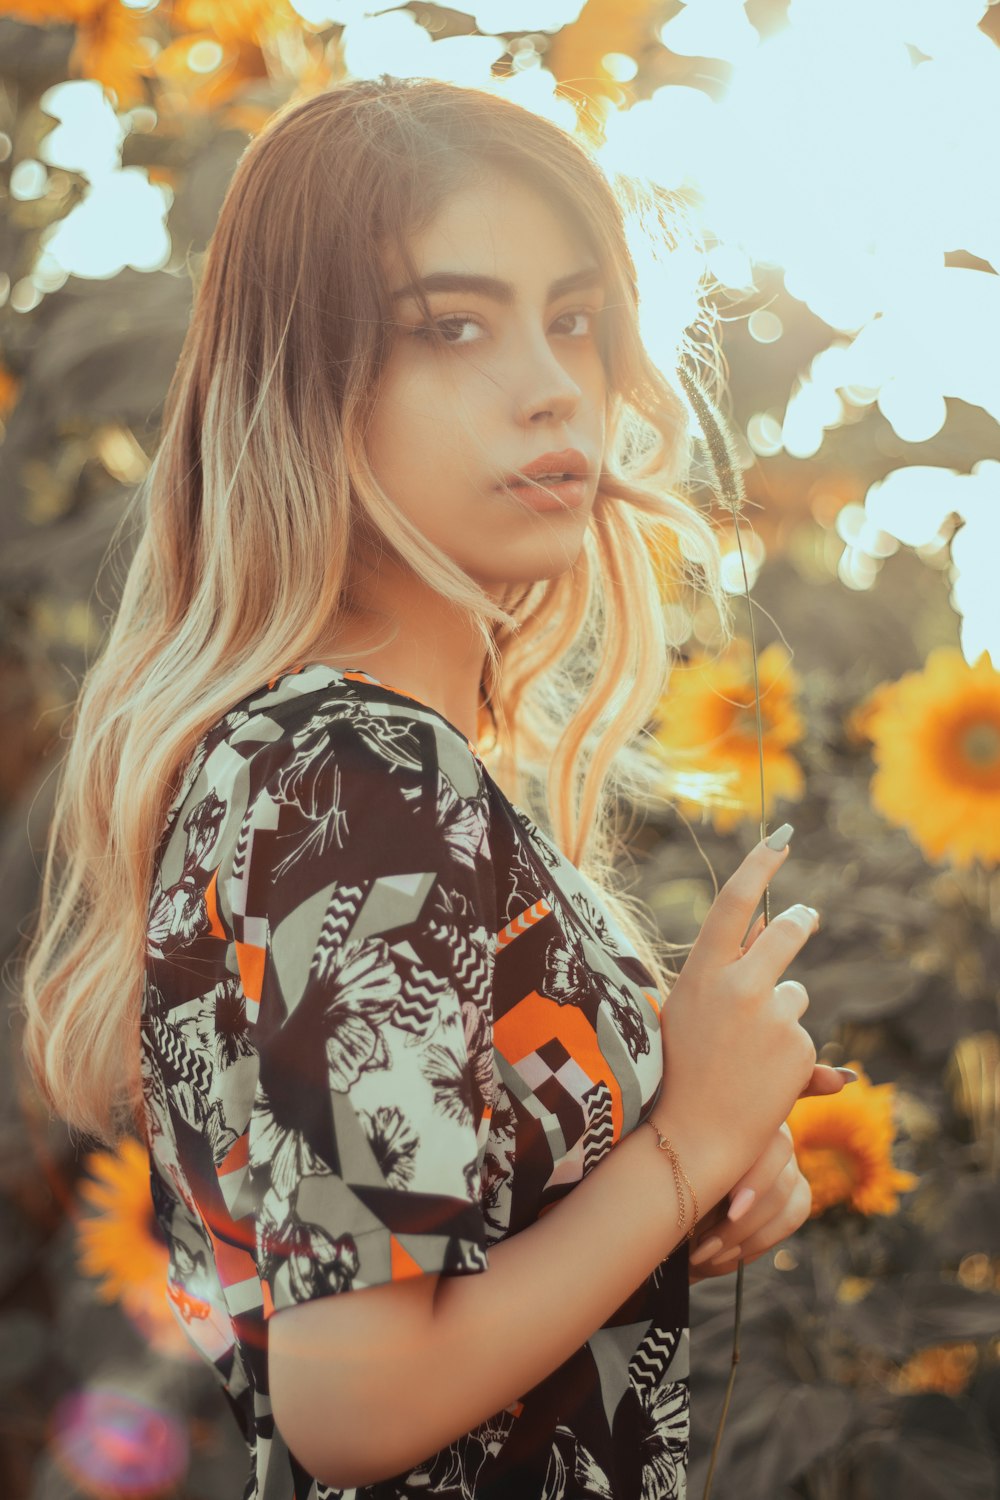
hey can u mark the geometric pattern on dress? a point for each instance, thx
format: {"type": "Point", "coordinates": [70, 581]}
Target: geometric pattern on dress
{"type": "Point", "coordinates": [419, 1004]}
{"type": "Point", "coordinates": [393, 901]}
{"type": "Point", "coordinates": [341, 872]}
{"type": "Point", "coordinates": [342, 913]}
{"type": "Point", "coordinates": [473, 970]}
{"type": "Point", "coordinates": [186, 1064]}
{"type": "Point", "coordinates": [536, 1020]}
{"type": "Point", "coordinates": [250, 932]}
{"type": "Point", "coordinates": [523, 922]}
{"type": "Point", "coordinates": [598, 1138]}
{"type": "Point", "coordinates": [654, 1357]}
{"type": "Point", "coordinates": [613, 1349]}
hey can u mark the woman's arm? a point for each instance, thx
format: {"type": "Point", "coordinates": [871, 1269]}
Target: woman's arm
{"type": "Point", "coordinates": [367, 1384]}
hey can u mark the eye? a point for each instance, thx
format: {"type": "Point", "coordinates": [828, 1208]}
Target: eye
{"type": "Point", "coordinates": [426, 331]}
{"type": "Point", "coordinates": [590, 313]}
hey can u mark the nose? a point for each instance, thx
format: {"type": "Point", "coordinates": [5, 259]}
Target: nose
{"type": "Point", "coordinates": [543, 383]}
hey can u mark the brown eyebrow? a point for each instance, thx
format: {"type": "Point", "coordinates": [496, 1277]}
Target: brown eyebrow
{"type": "Point", "coordinates": [500, 291]}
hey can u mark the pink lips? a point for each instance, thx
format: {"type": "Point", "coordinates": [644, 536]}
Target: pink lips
{"type": "Point", "coordinates": [566, 461]}
{"type": "Point", "coordinates": [566, 495]}
{"type": "Point", "coordinates": [549, 493]}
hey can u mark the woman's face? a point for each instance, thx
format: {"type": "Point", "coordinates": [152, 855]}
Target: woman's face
{"type": "Point", "coordinates": [521, 376]}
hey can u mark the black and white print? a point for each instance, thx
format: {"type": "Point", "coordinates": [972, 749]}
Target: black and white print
{"type": "Point", "coordinates": [385, 1025]}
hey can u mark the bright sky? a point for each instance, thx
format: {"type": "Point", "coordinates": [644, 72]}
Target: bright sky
{"type": "Point", "coordinates": [851, 151]}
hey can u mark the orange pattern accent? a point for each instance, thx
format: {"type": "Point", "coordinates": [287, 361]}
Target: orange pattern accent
{"type": "Point", "coordinates": [652, 997]}
{"type": "Point", "coordinates": [272, 682]}
{"type": "Point", "coordinates": [189, 1307]}
{"type": "Point", "coordinates": [535, 1020]}
{"type": "Point", "coordinates": [239, 1235]}
{"type": "Point", "coordinates": [250, 960]}
{"type": "Point", "coordinates": [235, 1265]}
{"type": "Point", "coordinates": [236, 1157]}
{"type": "Point", "coordinates": [378, 682]}
{"type": "Point", "coordinates": [523, 923]}
{"type": "Point", "coordinates": [401, 1262]}
{"type": "Point", "coordinates": [215, 926]}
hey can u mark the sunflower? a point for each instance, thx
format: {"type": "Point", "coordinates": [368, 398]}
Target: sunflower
{"type": "Point", "coordinates": [235, 20]}
{"type": "Point", "coordinates": [707, 716]}
{"type": "Point", "coordinates": [605, 28]}
{"type": "Point", "coordinates": [936, 742]}
{"type": "Point", "coordinates": [843, 1145]}
{"type": "Point", "coordinates": [858, 722]}
{"type": "Point", "coordinates": [10, 388]}
{"type": "Point", "coordinates": [940, 1367]}
{"type": "Point", "coordinates": [119, 1243]}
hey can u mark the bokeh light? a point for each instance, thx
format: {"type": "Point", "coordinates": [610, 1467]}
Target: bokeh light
{"type": "Point", "coordinates": [116, 1446]}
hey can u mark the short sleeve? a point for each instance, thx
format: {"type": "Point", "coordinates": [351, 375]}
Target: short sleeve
{"type": "Point", "coordinates": [367, 856]}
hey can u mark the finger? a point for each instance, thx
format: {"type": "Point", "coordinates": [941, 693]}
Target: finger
{"type": "Point", "coordinates": [783, 939]}
{"type": "Point", "coordinates": [827, 1080]}
{"type": "Point", "coordinates": [776, 1177]}
{"type": "Point", "coordinates": [718, 941]}
{"type": "Point", "coordinates": [794, 994]}
{"type": "Point", "coordinates": [714, 1241]}
{"type": "Point", "coordinates": [711, 1270]}
{"type": "Point", "coordinates": [716, 1215]}
{"type": "Point", "coordinates": [754, 933]}
{"type": "Point", "coordinates": [771, 1197]}
{"type": "Point", "coordinates": [788, 1209]}
{"type": "Point", "coordinates": [779, 1149]}
{"type": "Point", "coordinates": [747, 1195]}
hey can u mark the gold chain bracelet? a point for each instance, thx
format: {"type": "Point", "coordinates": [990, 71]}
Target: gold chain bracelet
{"type": "Point", "coordinates": [679, 1172]}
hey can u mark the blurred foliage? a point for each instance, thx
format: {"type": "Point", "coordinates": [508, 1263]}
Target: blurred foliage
{"type": "Point", "coordinates": [870, 1356]}
{"type": "Point", "coordinates": [870, 1345]}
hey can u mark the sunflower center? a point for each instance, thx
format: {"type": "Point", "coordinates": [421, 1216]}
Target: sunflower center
{"type": "Point", "coordinates": [832, 1173]}
{"type": "Point", "coordinates": [981, 744]}
{"type": "Point", "coordinates": [840, 1166]}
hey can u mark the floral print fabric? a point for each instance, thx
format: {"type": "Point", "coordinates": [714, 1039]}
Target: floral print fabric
{"type": "Point", "coordinates": [385, 1025]}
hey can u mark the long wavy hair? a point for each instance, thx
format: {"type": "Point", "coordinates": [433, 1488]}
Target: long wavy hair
{"type": "Point", "coordinates": [260, 498]}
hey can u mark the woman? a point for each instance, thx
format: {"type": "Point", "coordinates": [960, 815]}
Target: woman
{"type": "Point", "coordinates": [385, 1031]}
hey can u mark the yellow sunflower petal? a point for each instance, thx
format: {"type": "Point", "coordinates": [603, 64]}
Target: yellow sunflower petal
{"type": "Point", "coordinates": [936, 744]}
{"type": "Point", "coordinates": [708, 719]}
{"type": "Point", "coordinates": [117, 1240]}
{"type": "Point", "coordinates": [843, 1145]}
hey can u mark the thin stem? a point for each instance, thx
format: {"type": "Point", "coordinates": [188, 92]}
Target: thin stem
{"type": "Point", "coordinates": [729, 1384]}
{"type": "Point", "coordinates": [728, 477]}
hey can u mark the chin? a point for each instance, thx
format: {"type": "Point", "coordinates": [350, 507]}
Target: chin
{"type": "Point", "coordinates": [521, 577]}
{"type": "Point", "coordinates": [528, 561]}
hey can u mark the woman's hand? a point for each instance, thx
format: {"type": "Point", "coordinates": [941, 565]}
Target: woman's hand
{"type": "Point", "coordinates": [782, 1204]}
{"type": "Point", "coordinates": [783, 1197]}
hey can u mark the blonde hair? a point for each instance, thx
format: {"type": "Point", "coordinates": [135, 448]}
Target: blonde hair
{"type": "Point", "coordinates": [259, 500]}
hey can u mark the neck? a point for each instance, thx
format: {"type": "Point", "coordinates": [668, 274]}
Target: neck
{"type": "Point", "coordinates": [433, 652]}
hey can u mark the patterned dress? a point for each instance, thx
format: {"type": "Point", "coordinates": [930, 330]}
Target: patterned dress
{"type": "Point", "coordinates": [385, 1025]}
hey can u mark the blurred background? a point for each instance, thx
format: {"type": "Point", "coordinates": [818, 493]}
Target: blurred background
{"type": "Point", "coordinates": [835, 162]}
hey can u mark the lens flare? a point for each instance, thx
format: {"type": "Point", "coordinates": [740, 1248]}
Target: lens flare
{"type": "Point", "coordinates": [112, 1445]}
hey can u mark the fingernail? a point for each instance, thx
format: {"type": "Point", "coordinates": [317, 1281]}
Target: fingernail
{"type": "Point", "coordinates": [705, 1251]}
{"type": "Point", "coordinates": [779, 838]}
{"type": "Point", "coordinates": [740, 1204]}
{"type": "Point", "coordinates": [849, 1074]}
